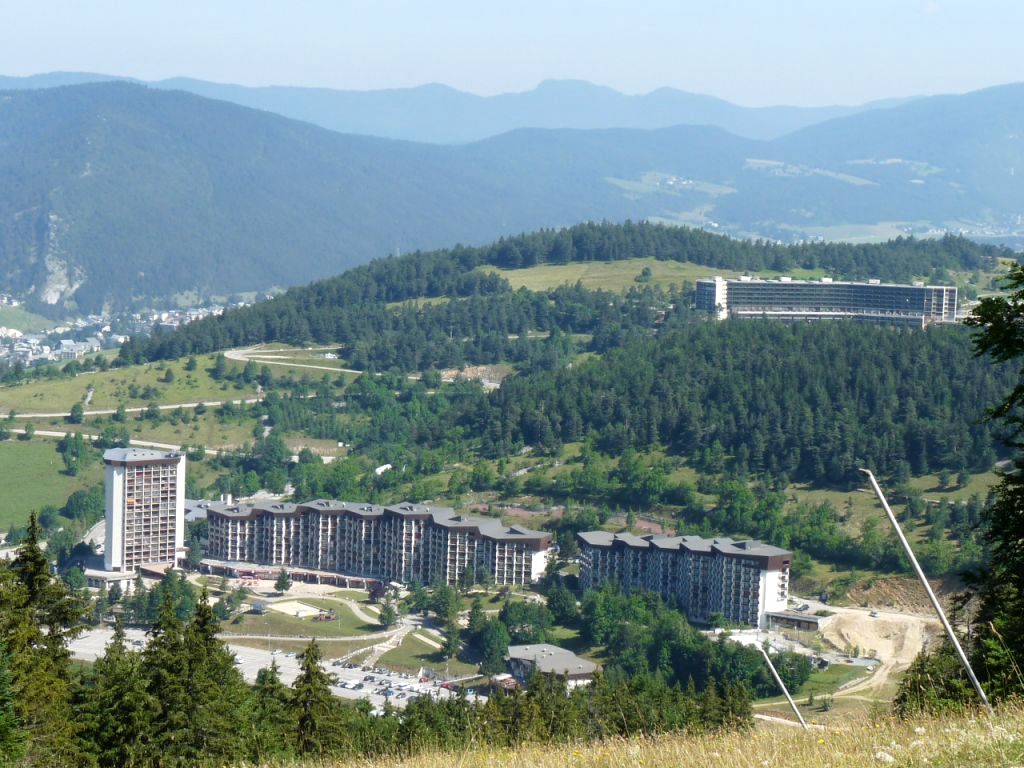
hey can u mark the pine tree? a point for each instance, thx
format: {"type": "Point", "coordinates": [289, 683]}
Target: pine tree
{"type": "Point", "coordinates": [118, 711]}
{"type": "Point", "coordinates": [12, 738]}
{"type": "Point", "coordinates": [313, 705]}
{"type": "Point", "coordinates": [477, 619]}
{"type": "Point", "coordinates": [217, 694]}
{"type": "Point", "coordinates": [388, 615]}
{"type": "Point", "coordinates": [165, 664]}
{"type": "Point", "coordinates": [271, 733]}
{"type": "Point", "coordinates": [38, 615]}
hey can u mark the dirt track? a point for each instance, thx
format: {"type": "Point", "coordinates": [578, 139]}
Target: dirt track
{"type": "Point", "coordinates": [894, 638]}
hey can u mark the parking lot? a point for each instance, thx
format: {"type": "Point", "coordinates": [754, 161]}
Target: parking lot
{"type": "Point", "coordinates": [353, 682]}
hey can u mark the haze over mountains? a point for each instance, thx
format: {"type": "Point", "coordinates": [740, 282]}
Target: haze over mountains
{"type": "Point", "coordinates": [439, 114]}
{"type": "Point", "coordinates": [114, 193]}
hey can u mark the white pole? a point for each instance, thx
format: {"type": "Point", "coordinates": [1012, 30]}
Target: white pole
{"type": "Point", "coordinates": [931, 595]}
{"type": "Point", "coordinates": [782, 685]}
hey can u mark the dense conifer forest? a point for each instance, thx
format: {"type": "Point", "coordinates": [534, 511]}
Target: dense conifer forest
{"type": "Point", "coordinates": [365, 311]}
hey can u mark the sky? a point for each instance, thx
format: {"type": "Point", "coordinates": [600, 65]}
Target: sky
{"type": "Point", "coordinates": [755, 53]}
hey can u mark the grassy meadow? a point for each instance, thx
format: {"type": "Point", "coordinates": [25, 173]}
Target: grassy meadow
{"type": "Point", "coordinates": [951, 741]}
{"type": "Point", "coordinates": [114, 386]}
{"type": "Point", "coordinates": [620, 275]}
{"type": "Point", "coordinates": [23, 320]}
{"type": "Point", "coordinates": [32, 476]}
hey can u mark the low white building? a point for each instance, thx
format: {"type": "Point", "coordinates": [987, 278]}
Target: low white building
{"type": "Point", "coordinates": [543, 658]}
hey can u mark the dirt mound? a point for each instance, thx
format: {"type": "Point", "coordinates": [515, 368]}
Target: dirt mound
{"type": "Point", "coordinates": [902, 594]}
{"type": "Point", "coordinates": [893, 638]}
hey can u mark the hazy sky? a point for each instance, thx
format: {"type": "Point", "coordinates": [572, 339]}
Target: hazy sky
{"type": "Point", "coordinates": [754, 53]}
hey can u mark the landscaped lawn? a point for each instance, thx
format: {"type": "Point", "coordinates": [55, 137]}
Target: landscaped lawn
{"type": "Point", "coordinates": [275, 623]}
{"type": "Point", "coordinates": [413, 653]}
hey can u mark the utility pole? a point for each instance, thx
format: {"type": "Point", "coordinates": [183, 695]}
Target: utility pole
{"type": "Point", "coordinates": [782, 685]}
{"type": "Point", "coordinates": [931, 595]}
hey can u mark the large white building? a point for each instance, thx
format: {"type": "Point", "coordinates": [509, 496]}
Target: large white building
{"type": "Point", "coordinates": [741, 580]}
{"type": "Point", "coordinates": [400, 543]}
{"type": "Point", "coordinates": [786, 299]}
{"type": "Point", "coordinates": [145, 508]}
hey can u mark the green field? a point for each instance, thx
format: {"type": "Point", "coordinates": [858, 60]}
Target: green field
{"type": "Point", "coordinates": [112, 387]}
{"type": "Point", "coordinates": [619, 275]}
{"type": "Point", "coordinates": [31, 474]}
{"type": "Point", "coordinates": [413, 653]}
{"type": "Point", "coordinates": [206, 430]}
{"type": "Point", "coordinates": [820, 682]}
{"type": "Point", "coordinates": [863, 503]}
{"type": "Point", "coordinates": [274, 623]}
{"type": "Point", "coordinates": [23, 320]}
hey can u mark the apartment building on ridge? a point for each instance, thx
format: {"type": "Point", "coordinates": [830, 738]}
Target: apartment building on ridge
{"type": "Point", "coordinates": [742, 581]}
{"type": "Point", "coordinates": [783, 298]}
{"type": "Point", "coordinates": [399, 543]}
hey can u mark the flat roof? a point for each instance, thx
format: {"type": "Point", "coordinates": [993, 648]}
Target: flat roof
{"type": "Point", "coordinates": [131, 455]}
{"type": "Point", "coordinates": [725, 545]}
{"type": "Point", "coordinates": [792, 281]}
{"type": "Point", "coordinates": [445, 517]}
{"type": "Point", "coordinates": [551, 659]}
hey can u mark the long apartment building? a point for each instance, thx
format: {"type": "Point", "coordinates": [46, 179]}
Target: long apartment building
{"type": "Point", "coordinates": [145, 508]}
{"type": "Point", "coordinates": [741, 580]}
{"type": "Point", "coordinates": [401, 543]}
{"type": "Point", "coordinates": [787, 299]}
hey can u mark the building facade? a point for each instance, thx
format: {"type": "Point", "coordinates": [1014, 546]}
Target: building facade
{"type": "Point", "coordinates": [787, 299]}
{"type": "Point", "coordinates": [401, 543]}
{"type": "Point", "coordinates": [742, 580]}
{"type": "Point", "coordinates": [145, 508]}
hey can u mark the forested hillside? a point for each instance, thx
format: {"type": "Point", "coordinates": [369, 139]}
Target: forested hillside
{"type": "Point", "coordinates": [113, 194]}
{"type": "Point", "coordinates": [809, 403]}
{"type": "Point", "coordinates": [352, 309]}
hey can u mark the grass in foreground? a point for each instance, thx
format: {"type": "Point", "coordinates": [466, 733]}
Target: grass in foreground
{"type": "Point", "coordinates": [951, 742]}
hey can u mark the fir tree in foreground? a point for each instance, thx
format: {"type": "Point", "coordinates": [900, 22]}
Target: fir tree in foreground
{"type": "Point", "coordinates": [38, 615]}
{"type": "Point", "coordinates": [315, 706]}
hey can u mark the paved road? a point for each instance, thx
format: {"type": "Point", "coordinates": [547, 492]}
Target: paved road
{"type": "Point", "coordinates": [137, 443]}
{"type": "Point", "coordinates": [108, 411]}
{"type": "Point", "coordinates": [268, 357]}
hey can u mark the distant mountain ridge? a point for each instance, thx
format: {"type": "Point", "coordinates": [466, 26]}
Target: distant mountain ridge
{"type": "Point", "coordinates": [440, 114]}
{"type": "Point", "coordinates": [114, 194]}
